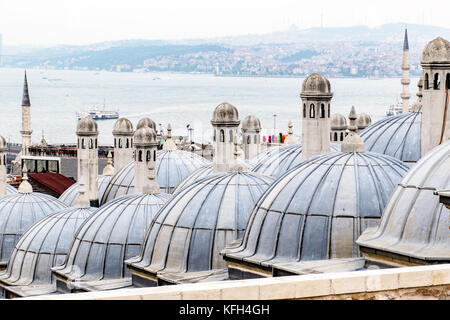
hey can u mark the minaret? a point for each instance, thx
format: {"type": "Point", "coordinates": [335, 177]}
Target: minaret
{"type": "Point", "coordinates": [87, 154]}
{"type": "Point", "coordinates": [290, 139]}
{"type": "Point", "coordinates": [225, 122]}
{"type": "Point", "coordinates": [123, 143]}
{"type": "Point", "coordinates": [145, 176]}
{"type": "Point", "coordinates": [316, 97]}
{"type": "Point", "coordinates": [26, 118]}
{"type": "Point", "coordinates": [251, 127]}
{"type": "Point", "coordinates": [169, 144]}
{"type": "Point", "coordinates": [435, 100]}
{"type": "Point", "coordinates": [3, 150]}
{"type": "Point", "coordinates": [405, 75]}
{"type": "Point", "coordinates": [352, 142]}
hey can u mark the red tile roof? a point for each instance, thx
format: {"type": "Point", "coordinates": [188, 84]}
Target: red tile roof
{"type": "Point", "coordinates": [54, 181]}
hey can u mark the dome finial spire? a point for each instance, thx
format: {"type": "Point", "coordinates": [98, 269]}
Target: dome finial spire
{"type": "Point", "coordinates": [290, 139]}
{"type": "Point", "coordinates": [169, 144]}
{"type": "Point", "coordinates": [109, 169]}
{"type": "Point", "coordinates": [405, 40]}
{"type": "Point", "coordinates": [25, 96]}
{"type": "Point", "coordinates": [237, 164]}
{"type": "Point", "coordinates": [25, 186]}
{"type": "Point", "coordinates": [353, 142]}
{"type": "Point", "coordinates": [83, 199]}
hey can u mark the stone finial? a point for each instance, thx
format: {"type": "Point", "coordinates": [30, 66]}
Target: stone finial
{"type": "Point", "coordinates": [352, 142]}
{"type": "Point", "coordinates": [82, 201]}
{"type": "Point", "coordinates": [109, 169]}
{"type": "Point", "coordinates": [25, 186]}
{"type": "Point", "coordinates": [169, 144]}
{"type": "Point", "coordinates": [290, 139]}
{"type": "Point", "coordinates": [238, 164]}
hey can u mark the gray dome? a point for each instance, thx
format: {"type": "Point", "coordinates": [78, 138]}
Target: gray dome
{"type": "Point", "coordinates": [145, 136]}
{"type": "Point", "coordinates": [43, 246]}
{"type": "Point", "coordinates": [251, 123]}
{"type": "Point", "coordinates": [173, 167]}
{"type": "Point", "coordinates": [123, 126]}
{"type": "Point", "coordinates": [316, 84]}
{"type": "Point", "coordinates": [363, 121]}
{"type": "Point", "coordinates": [283, 159]}
{"type": "Point", "coordinates": [10, 189]}
{"type": "Point", "coordinates": [114, 233]}
{"type": "Point", "coordinates": [414, 223]}
{"type": "Point", "coordinates": [87, 126]}
{"type": "Point", "coordinates": [437, 50]}
{"type": "Point", "coordinates": [338, 122]}
{"type": "Point", "coordinates": [3, 144]}
{"type": "Point", "coordinates": [197, 174]}
{"type": "Point", "coordinates": [317, 210]}
{"type": "Point", "coordinates": [18, 212]}
{"type": "Point", "coordinates": [71, 194]}
{"type": "Point", "coordinates": [146, 122]}
{"type": "Point", "coordinates": [398, 136]}
{"type": "Point", "coordinates": [225, 113]}
{"type": "Point", "coordinates": [199, 221]}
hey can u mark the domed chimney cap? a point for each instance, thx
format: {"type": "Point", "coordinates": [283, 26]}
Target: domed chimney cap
{"type": "Point", "coordinates": [123, 126]}
{"type": "Point", "coordinates": [363, 121]}
{"type": "Point", "coordinates": [87, 126]}
{"type": "Point", "coordinates": [316, 84]}
{"type": "Point", "coordinates": [338, 122]}
{"type": "Point", "coordinates": [251, 123]}
{"type": "Point", "coordinates": [146, 122]}
{"type": "Point", "coordinates": [436, 51]}
{"type": "Point", "coordinates": [145, 136]}
{"type": "Point", "coordinates": [3, 144]}
{"type": "Point", "coordinates": [225, 114]}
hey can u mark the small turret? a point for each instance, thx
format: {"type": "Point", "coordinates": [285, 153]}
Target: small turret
{"type": "Point", "coordinates": [251, 127]}
{"type": "Point", "coordinates": [123, 143]}
{"type": "Point", "coordinates": [145, 145]}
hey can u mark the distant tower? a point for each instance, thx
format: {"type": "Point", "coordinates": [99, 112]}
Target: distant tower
{"type": "Point", "coordinates": [3, 150]}
{"type": "Point", "coordinates": [123, 143]}
{"type": "Point", "coordinates": [145, 145]}
{"type": "Point", "coordinates": [435, 101]}
{"type": "Point", "coordinates": [405, 74]}
{"type": "Point", "coordinates": [290, 139]}
{"type": "Point", "coordinates": [26, 118]}
{"type": "Point", "coordinates": [316, 97]}
{"type": "Point", "coordinates": [87, 154]}
{"type": "Point", "coordinates": [225, 122]}
{"type": "Point", "coordinates": [251, 127]}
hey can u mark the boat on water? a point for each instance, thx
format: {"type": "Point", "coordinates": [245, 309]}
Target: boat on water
{"type": "Point", "coordinates": [97, 114]}
{"type": "Point", "coordinates": [394, 109]}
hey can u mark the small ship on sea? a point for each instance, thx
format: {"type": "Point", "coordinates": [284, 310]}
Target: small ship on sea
{"type": "Point", "coordinates": [97, 114]}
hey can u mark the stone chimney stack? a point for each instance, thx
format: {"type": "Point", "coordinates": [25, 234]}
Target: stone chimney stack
{"type": "Point", "coordinates": [251, 128]}
{"type": "Point", "coordinates": [123, 143]}
{"type": "Point", "coordinates": [145, 177]}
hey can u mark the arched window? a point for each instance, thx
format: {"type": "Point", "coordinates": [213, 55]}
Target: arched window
{"type": "Point", "coordinates": [222, 136]}
{"type": "Point", "coordinates": [115, 143]}
{"type": "Point", "coordinates": [127, 143]}
{"type": "Point", "coordinates": [304, 110]}
{"type": "Point", "coordinates": [425, 82]}
{"type": "Point", "coordinates": [131, 142]}
{"type": "Point", "coordinates": [83, 145]}
{"type": "Point", "coordinates": [311, 111]}
{"type": "Point", "coordinates": [214, 136]}
{"type": "Point", "coordinates": [322, 110]}
{"type": "Point", "coordinates": [329, 114]}
{"type": "Point", "coordinates": [447, 81]}
{"type": "Point", "coordinates": [96, 146]}
{"type": "Point", "coordinates": [437, 81]}
{"type": "Point", "coordinates": [231, 136]}
{"type": "Point", "coordinates": [91, 145]}
{"type": "Point", "coordinates": [140, 155]}
{"type": "Point", "coordinates": [256, 139]}
{"type": "Point", "coordinates": [154, 155]}
{"type": "Point", "coordinates": [248, 140]}
{"type": "Point", "coordinates": [120, 143]}
{"type": "Point", "coordinates": [335, 136]}
{"type": "Point", "coordinates": [342, 136]}
{"type": "Point", "coordinates": [149, 156]}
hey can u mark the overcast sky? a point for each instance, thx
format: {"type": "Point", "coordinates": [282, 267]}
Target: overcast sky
{"type": "Point", "coordinates": [53, 22]}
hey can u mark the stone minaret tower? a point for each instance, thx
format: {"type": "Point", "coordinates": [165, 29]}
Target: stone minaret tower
{"type": "Point", "coordinates": [316, 97]}
{"type": "Point", "coordinates": [225, 122]}
{"type": "Point", "coordinates": [26, 118]}
{"type": "Point", "coordinates": [123, 143]}
{"type": "Point", "coordinates": [405, 75]}
{"type": "Point", "coordinates": [352, 142]}
{"type": "Point", "coordinates": [435, 100]}
{"type": "Point", "coordinates": [251, 127]}
{"type": "Point", "coordinates": [145, 175]}
{"type": "Point", "coordinates": [87, 154]}
{"type": "Point", "coordinates": [3, 149]}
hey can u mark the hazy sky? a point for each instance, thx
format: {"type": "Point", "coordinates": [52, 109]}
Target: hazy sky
{"type": "Point", "coordinates": [50, 22]}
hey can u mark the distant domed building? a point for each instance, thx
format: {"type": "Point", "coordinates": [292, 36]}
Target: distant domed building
{"type": "Point", "coordinates": [414, 228]}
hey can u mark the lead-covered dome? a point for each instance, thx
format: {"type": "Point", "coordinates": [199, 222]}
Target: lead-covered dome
{"type": "Point", "coordinates": [199, 221]}
{"type": "Point", "coordinates": [114, 233]}
{"type": "Point", "coordinates": [146, 122]}
{"type": "Point", "coordinates": [338, 122]}
{"type": "Point", "coordinates": [251, 123]}
{"type": "Point", "coordinates": [10, 189]}
{"type": "Point", "coordinates": [173, 167]}
{"type": "Point", "coordinates": [123, 126]}
{"type": "Point", "coordinates": [436, 51]}
{"type": "Point", "coordinates": [317, 210]}
{"type": "Point", "coordinates": [87, 126]}
{"type": "Point", "coordinates": [71, 194]}
{"type": "Point", "coordinates": [316, 84]}
{"type": "Point", "coordinates": [43, 246]}
{"type": "Point", "coordinates": [283, 159]}
{"type": "Point", "coordinates": [197, 174]}
{"type": "Point", "coordinates": [414, 223]}
{"type": "Point", "coordinates": [398, 136]}
{"type": "Point", "coordinates": [18, 212]}
{"type": "Point", "coordinates": [225, 113]}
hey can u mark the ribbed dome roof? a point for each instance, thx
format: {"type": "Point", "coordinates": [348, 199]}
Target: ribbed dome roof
{"type": "Point", "coordinates": [338, 122]}
{"type": "Point", "coordinates": [414, 223]}
{"type": "Point", "coordinates": [20, 211]}
{"type": "Point", "coordinates": [283, 159]}
{"type": "Point", "coordinates": [173, 167]}
{"type": "Point", "coordinates": [43, 246]}
{"type": "Point", "coordinates": [437, 50]}
{"type": "Point", "coordinates": [316, 84]}
{"type": "Point", "coordinates": [251, 123]}
{"type": "Point", "coordinates": [114, 233]}
{"type": "Point", "coordinates": [197, 174]}
{"type": "Point", "coordinates": [197, 223]}
{"type": "Point", "coordinates": [146, 122]}
{"type": "Point", "coordinates": [398, 136]}
{"type": "Point", "coordinates": [363, 120]}
{"type": "Point", "coordinates": [317, 210]}
{"type": "Point", "coordinates": [71, 194]}
{"type": "Point", "coordinates": [10, 189]}
{"type": "Point", "coordinates": [87, 126]}
{"type": "Point", "coordinates": [225, 113]}
{"type": "Point", "coordinates": [123, 126]}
